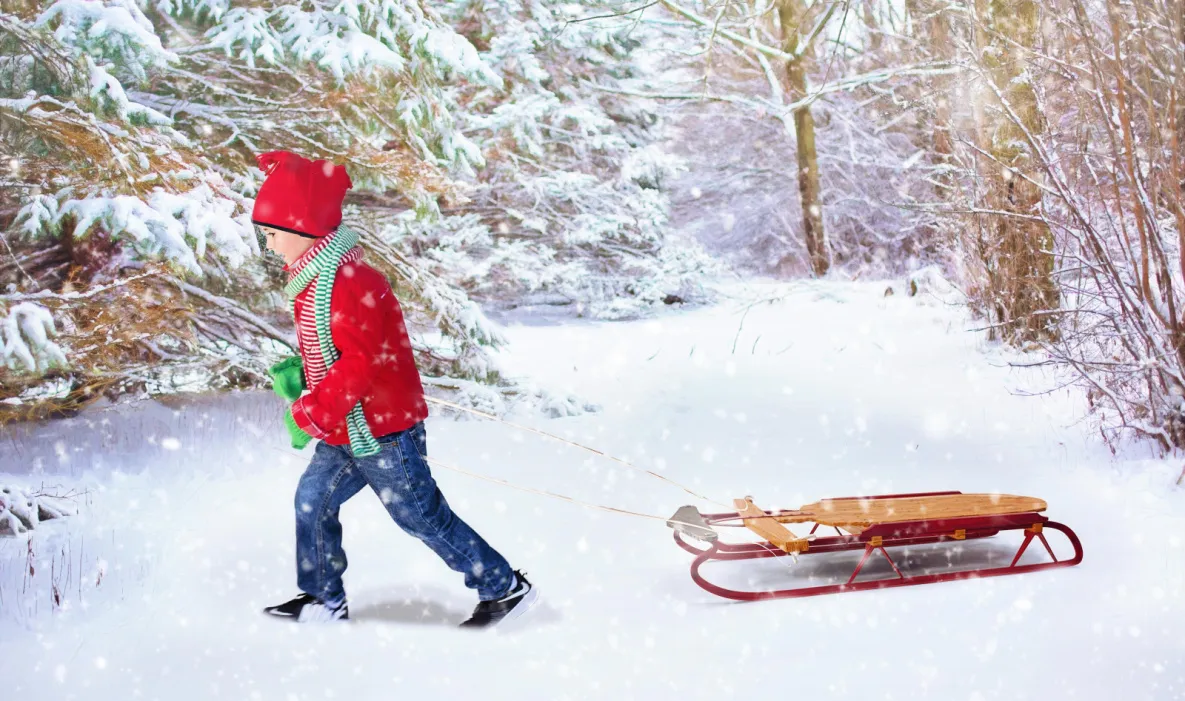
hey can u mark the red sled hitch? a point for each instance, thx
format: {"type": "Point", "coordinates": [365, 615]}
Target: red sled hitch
{"type": "Point", "coordinates": [874, 525]}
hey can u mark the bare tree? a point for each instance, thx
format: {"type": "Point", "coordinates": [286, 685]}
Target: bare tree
{"type": "Point", "coordinates": [1085, 128]}
{"type": "Point", "coordinates": [791, 18]}
{"type": "Point", "coordinates": [783, 81]}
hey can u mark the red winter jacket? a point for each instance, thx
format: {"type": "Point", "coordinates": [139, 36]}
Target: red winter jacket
{"type": "Point", "coordinates": [375, 365]}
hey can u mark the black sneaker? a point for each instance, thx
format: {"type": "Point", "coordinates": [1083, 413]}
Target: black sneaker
{"type": "Point", "coordinates": [307, 608]}
{"type": "Point", "coordinates": [521, 597]}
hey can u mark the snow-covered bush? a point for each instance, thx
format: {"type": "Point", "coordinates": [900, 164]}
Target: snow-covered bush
{"type": "Point", "coordinates": [930, 284]}
{"type": "Point", "coordinates": [22, 510]}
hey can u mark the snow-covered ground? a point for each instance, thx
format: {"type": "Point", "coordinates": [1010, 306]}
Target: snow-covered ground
{"type": "Point", "coordinates": [833, 390]}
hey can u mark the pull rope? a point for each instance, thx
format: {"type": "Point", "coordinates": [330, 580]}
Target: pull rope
{"type": "Point", "coordinates": [652, 473]}
{"type": "Point", "coordinates": [588, 504]}
{"type": "Point", "coordinates": [544, 492]}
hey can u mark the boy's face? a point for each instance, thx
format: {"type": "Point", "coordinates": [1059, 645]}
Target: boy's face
{"type": "Point", "coordinates": [286, 245]}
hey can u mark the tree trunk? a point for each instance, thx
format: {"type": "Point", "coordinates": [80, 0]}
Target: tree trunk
{"type": "Point", "coordinates": [1180, 116]}
{"type": "Point", "coordinates": [929, 25]}
{"type": "Point", "coordinates": [790, 16]}
{"type": "Point", "coordinates": [937, 24]}
{"type": "Point", "coordinates": [1021, 254]}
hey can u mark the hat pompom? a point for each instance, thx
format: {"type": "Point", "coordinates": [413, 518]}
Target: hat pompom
{"type": "Point", "coordinates": [268, 162]}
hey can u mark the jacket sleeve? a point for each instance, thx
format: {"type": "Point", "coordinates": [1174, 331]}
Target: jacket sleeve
{"type": "Point", "coordinates": [357, 333]}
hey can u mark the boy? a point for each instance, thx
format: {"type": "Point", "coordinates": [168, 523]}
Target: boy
{"type": "Point", "coordinates": [364, 401]}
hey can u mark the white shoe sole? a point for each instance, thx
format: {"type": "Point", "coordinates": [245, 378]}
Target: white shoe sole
{"type": "Point", "coordinates": [528, 602]}
{"type": "Point", "coordinates": [319, 614]}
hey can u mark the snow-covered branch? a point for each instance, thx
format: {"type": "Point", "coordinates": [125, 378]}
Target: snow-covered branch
{"type": "Point", "coordinates": [733, 36]}
{"type": "Point", "coordinates": [72, 296]}
{"type": "Point", "coordinates": [26, 331]}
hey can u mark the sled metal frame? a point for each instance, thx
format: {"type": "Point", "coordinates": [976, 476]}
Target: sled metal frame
{"type": "Point", "coordinates": [872, 540]}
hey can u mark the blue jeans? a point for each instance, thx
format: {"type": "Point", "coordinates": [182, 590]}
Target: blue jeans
{"type": "Point", "coordinates": [400, 477]}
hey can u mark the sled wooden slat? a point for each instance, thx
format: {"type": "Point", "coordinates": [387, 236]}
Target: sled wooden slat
{"type": "Point", "coordinates": [862, 513]}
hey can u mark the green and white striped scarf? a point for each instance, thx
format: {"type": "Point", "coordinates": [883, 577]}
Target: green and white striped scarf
{"type": "Point", "coordinates": [320, 272]}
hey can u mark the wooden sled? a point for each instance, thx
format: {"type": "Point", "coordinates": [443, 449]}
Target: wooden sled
{"type": "Point", "coordinates": [871, 524]}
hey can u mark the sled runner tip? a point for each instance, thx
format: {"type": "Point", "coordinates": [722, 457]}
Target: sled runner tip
{"type": "Point", "coordinates": [690, 522]}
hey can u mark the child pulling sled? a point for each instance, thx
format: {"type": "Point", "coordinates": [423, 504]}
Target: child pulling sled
{"type": "Point", "coordinates": [355, 387]}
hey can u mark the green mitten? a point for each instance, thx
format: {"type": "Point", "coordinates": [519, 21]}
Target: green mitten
{"type": "Point", "coordinates": [299, 438]}
{"type": "Point", "coordinates": [288, 378]}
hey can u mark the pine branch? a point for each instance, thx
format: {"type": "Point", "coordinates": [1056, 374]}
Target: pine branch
{"type": "Point", "coordinates": [73, 296]}
{"type": "Point", "coordinates": [237, 310]}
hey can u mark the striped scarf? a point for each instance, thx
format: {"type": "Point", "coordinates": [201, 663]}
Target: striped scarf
{"type": "Point", "coordinates": [316, 270]}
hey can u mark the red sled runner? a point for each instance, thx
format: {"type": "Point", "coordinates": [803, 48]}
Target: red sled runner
{"type": "Point", "coordinates": [872, 524]}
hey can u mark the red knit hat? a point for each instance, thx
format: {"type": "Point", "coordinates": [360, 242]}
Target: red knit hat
{"type": "Point", "coordinates": [300, 196]}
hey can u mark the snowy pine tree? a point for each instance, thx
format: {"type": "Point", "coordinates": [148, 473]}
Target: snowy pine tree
{"type": "Point", "coordinates": [572, 207]}
{"type": "Point", "coordinates": [131, 130]}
